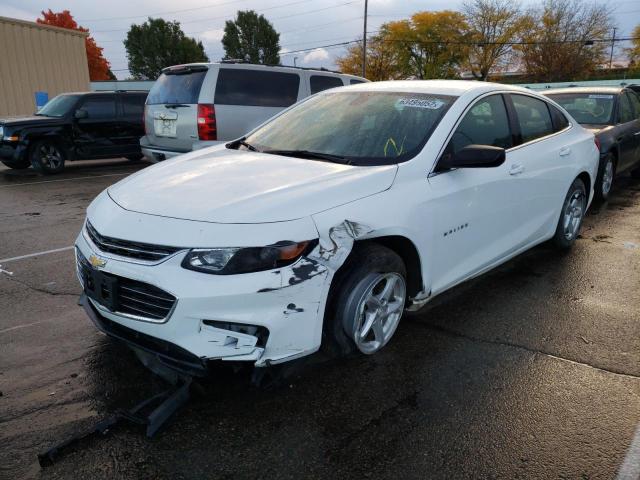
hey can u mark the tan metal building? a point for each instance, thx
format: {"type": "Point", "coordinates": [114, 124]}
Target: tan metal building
{"type": "Point", "coordinates": [38, 58]}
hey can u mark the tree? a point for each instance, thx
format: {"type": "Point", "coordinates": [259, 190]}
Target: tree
{"type": "Point", "coordinates": [157, 44]}
{"type": "Point", "coordinates": [252, 38]}
{"type": "Point", "coordinates": [382, 60]}
{"type": "Point", "coordinates": [99, 67]}
{"type": "Point", "coordinates": [430, 44]}
{"type": "Point", "coordinates": [563, 40]}
{"type": "Point", "coordinates": [634, 51]}
{"type": "Point", "coordinates": [493, 25]}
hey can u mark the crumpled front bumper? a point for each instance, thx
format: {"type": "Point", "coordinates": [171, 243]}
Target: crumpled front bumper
{"type": "Point", "coordinates": [288, 303]}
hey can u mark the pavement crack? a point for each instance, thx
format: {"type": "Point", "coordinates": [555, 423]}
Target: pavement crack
{"type": "Point", "coordinates": [503, 343]}
{"type": "Point", "coordinates": [41, 290]}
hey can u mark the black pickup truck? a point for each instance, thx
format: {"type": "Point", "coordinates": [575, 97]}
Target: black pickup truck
{"type": "Point", "coordinates": [75, 126]}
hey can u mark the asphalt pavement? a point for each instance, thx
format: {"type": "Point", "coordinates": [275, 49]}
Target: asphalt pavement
{"type": "Point", "coordinates": [530, 371]}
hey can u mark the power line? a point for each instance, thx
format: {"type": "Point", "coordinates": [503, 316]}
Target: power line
{"type": "Point", "coordinates": [228, 17]}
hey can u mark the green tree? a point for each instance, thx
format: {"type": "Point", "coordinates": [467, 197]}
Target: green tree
{"type": "Point", "coordinates": [157, 44]}
{"type": "Point", "coordinates": [252, 38]}
{"type": "Point", "coordinates": [429, 44]}
{"type": "Point", "coordinates": [634, 51]}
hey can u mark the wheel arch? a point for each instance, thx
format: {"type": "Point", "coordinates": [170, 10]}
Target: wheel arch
{"type": "Point", "coordinates": [586, 179]}
{"type": "Point", "coordinates": [408, 252]}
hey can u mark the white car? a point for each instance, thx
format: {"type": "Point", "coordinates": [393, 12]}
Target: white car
{"type": "Point", "coordinates": [324, 224]}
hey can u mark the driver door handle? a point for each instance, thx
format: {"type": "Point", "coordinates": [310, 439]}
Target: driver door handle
{"type": "Point", "coordinates": [564, 151]}
{"type": "Point", "coordinates": [516, 169]}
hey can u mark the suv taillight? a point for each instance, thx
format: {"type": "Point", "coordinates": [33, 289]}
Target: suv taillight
{"type": "Point", "coordinates": [144, 120]}
{"type": "Point", "coordinates": [207, 129]}
{"type": "Point", "coordinates": [597, 140]}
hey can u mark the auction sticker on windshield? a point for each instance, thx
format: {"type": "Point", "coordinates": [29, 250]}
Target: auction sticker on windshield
{"type": "Point", "coordinates": [430, 103]}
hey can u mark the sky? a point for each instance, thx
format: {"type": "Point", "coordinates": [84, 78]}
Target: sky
{"type": "Point", "coordinates": [302, 24]}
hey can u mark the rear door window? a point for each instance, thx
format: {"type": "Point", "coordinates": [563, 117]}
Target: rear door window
{"type": "Point", "coordinates": [133, 105]}
{"type": "Point", "coordinates": [181, 87]}
{"type": "Point", "coordinates": [256, 88]}
{"type": "Point", "coordinates": [324, 82]}
{"type": "Point", "coordinates": [533, 117]}
{"type": "Point", "coordinates": [100, 108]}
{"type": "Point", "coordinates": [486, 123]}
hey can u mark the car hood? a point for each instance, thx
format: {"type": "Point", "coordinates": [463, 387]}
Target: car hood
{"type": "Point", "coordinates": [30, 120]}
{"type": "Point", "coordinates": [229, 186]}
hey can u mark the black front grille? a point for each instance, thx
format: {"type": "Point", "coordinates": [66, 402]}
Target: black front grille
{"type": "Point", "coordinates": [126, 248]}
{"type": "Point", "coordinates": [129, 297]}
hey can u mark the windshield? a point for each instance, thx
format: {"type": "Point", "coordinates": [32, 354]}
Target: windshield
{"type": "Point", "coordinates": [364, 128]}
{"type": "Point", "coordinates": [587, 108]}
{"type": "Point", "coordinates": [58, 106]}
{"type": "Point", "coordinates": [183, 87]}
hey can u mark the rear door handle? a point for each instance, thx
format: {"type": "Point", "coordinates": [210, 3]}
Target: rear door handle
{"type": "Point", "coordinates": [564, 151]}
{"type": "Point", "coordinates": [516, 169]}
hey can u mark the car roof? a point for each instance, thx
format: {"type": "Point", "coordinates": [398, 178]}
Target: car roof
{"type": "Point", "coordinates": [612, 90]}
{"type": "Point", "coordinates": [242, 64]}
{"type": "Point", "coordinates": [437, 87]}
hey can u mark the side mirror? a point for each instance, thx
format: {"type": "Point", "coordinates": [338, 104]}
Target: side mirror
{"type": "Point", "coordinates": [80, 114]}
{"type": "Point", "coordinates": [477, 156]}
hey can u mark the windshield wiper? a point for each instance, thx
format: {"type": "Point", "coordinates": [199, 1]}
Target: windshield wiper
{"type": "Point", "coordinates": [312, 155]}
{"type": "Point", "coordinates": [175, 105]}
{"type": "Point", "coordinates": [241, 141]}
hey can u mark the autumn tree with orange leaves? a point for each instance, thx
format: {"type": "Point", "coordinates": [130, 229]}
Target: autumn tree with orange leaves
{"type": "Point", "coordinates": [99, 68]}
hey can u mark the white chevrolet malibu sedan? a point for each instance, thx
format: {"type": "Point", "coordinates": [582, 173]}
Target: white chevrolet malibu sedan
{"type": "Point", "coordinates": [323, 225]}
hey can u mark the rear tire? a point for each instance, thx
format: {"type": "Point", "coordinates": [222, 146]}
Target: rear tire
{"type": "Point", "coordinates": [571, 215]}
{"type": "Point", "coordinates": [366, 301]}
{"type": "Point", "coordinates": [17, 164]}
{"type": "Point", "coordinates": [604, 179]}
{"type": "Point", "coordinates": [47, 157]}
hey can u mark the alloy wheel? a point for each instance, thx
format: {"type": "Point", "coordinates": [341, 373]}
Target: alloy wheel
{"type": "Point", "coordinates": [50, 156]}
{"type": "Point", "coordinates": [573, 213]}
{"type": "Point", "coordinates": [378, 312]}
{"type": "Point", "coordinates": [607, 178]}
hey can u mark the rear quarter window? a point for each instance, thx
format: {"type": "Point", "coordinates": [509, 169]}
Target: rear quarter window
{"type": "Point", "coordinates": [133, 105]}
{"type": "Point", "coordinates": [560, 121]}
{"type": "Point", "coordinates": [353, 81]}
{"type": "Point", "coordinates": [256, 88]}
{"type": "Point", "coordinates": [177, 88]}
{"type": "Point", "coordinates": [324, 82]}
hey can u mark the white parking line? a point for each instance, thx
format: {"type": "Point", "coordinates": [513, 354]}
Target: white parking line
{"type": "Point", "coordinates": [29, 255]}
{"type": "Point", "coordinates": [630, 468]}
{"type": "Point", "coordinates": [65, 179]}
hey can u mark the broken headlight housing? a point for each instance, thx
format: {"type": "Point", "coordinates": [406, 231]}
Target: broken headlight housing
{"type": "Point", "coordinates": [231, 261]}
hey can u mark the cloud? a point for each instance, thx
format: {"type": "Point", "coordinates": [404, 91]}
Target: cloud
{"type": "Point", "coordinates": [317, 55]}
{"type": "Point", "coordinates": [214, 35]}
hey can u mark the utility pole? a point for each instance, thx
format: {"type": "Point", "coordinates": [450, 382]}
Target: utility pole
{"type": "Point", "coordinates": [613, 42]}
{"type": "Point", "coordinates": [364, 42]}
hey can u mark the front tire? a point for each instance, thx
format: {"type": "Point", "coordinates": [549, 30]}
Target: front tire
{"type": "Point", "coordinates": [366, 301]}
{"type": "Point", "coordinates": [604, 179]}
{"type": "Point", "coordinates": [47, 157]}
{"type": "Point", "coordinates": [571, 215]}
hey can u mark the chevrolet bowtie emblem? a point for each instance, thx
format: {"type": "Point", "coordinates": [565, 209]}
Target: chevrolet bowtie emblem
{"type": "Point", "coordinates": [97, 262]}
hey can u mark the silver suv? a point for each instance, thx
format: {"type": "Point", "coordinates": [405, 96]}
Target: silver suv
{"type": "Point", "coordinates": [200, 104]}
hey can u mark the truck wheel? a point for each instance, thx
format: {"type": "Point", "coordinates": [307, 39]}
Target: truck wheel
{"type": "Point", "coordinates": [17, 164]}
{"type": "Point", "coordinates": [46, 157]}
{"type": "Point", "coordinates": [571, 215]}
{"type": "Point", "coordinates": [366, 301]}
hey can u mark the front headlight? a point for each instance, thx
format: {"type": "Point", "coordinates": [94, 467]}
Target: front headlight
{"type": "Point", "coordinates": [231, 261]}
